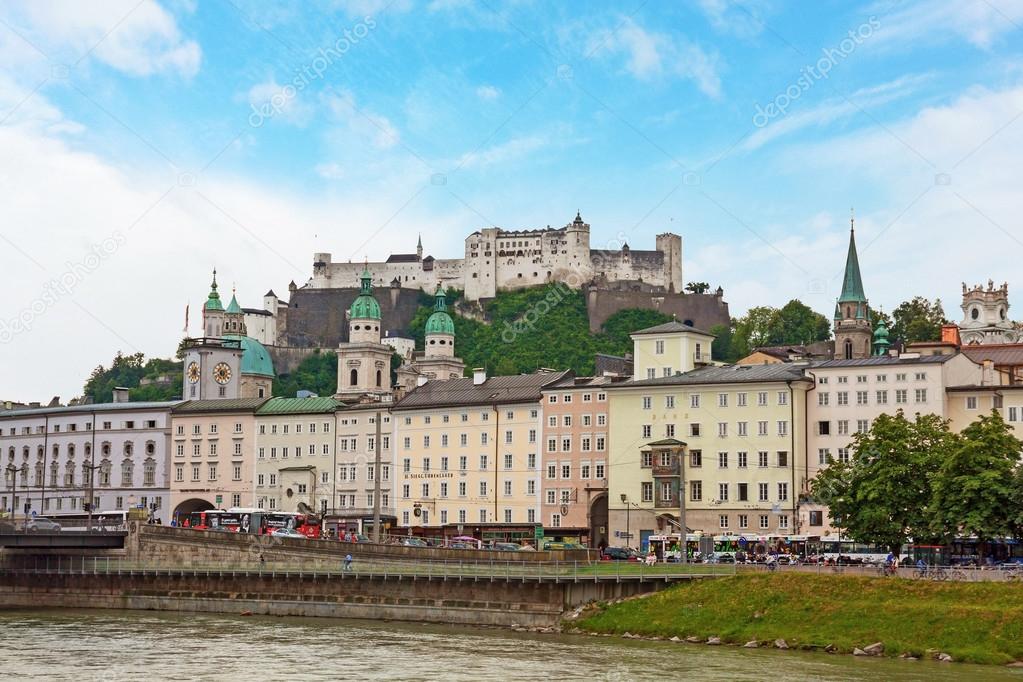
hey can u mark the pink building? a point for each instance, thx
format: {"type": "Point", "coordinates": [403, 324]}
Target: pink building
{"type": "Point", "coordinates": [573, 475]}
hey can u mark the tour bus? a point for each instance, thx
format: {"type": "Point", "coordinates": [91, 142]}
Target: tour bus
{"type": "Point", "coordinates": [264, 522]}
{"type": "Point", "coordinates": [101, 520]}
{"type": "Point", "coordinates": [833, 547]}
{"type": "Point", "coordinates": [667, 547]}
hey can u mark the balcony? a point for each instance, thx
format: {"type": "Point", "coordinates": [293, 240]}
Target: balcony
{"type": "Point", "coordinates": [671, 503]}
{"type": "Point", "coordinates": [665, 470]}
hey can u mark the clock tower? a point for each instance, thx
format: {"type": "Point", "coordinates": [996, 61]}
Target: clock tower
{"type": "Point", "coordinates": [213, 363]}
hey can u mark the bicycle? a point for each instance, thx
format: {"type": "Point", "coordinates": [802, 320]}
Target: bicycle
{"type": "Point", "coordinates": [886, 571]}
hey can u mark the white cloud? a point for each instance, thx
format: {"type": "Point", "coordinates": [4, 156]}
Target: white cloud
{"type": "Point", "coordinates": [138, 38]}
{"type": "Point", "coordinates": [330, 171]}
{"type": "Point", "coordinates": [511, 150]}
{"type": "Point", "coordinates": [650, 55]}
{"type": "Point", "coordinates": [832, 110]}
{"type": "Point", "coordinates": [979, 22]}
{"type": "Point", "coordinates": [271, 100]}
{"type": "Point", "coordinates": [737, 18]}
{"type": "Point", "coordinates": [488, 92]}
{"type": "Point", "coordinates": [360, 121]}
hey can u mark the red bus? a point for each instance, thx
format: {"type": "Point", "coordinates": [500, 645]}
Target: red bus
{"type": "Point", "coordinates": [264, 522]}
{"type": "Point", "coordinates": [212, 519]}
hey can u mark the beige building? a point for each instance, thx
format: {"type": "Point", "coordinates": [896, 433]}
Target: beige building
{"type": "Point", "coordinates": [356, 471]}
{"type": "Point", "coordinates": [573, 495]}
{"type": "Point", "coordinates": [850, 394]}
{"type": "Point", "coordinates": [213, 457]}
{"type": "Point", "coordinates": [740, 432]}
{"type": "Point", "coordinates": [468, 456]}
{"type": "Point", "coordinates": [294, 448]}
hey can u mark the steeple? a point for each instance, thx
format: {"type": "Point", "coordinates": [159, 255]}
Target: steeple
{"type": "Point", "coordinates": [852, 282]}
{"type": "Point", "coordinates": [881, 342]}
{"type": "Point", "coordinates": [213, 301]}
{"type": "Point", "coordinates": [419, 248]}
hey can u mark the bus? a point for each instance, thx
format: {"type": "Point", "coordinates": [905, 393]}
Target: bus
{"type": "Point", "coordinates": [843, 550]}
{"type": "Point", "coordinates": [101, 520]}
{"type": "Point", "coordinates": [667, 547]}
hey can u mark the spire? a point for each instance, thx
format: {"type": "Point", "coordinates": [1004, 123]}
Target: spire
{"type": "Point", "coordinates": [233, 307]}
{"type": "Point", "coordinates": [213, 300]}
{"type": "Point", "coordinates": [367, 281]}
{"type": "Point", "coordinates": [852, 283]}
{"type": "Point", "coordinates": [419, 247]}
{"type": "Point", "coordinates": [440, 303]}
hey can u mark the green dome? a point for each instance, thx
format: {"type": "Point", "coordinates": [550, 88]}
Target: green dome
{"type": "Point", "coordinates": [213, 302]}
{"type": "Point", "coordinates": [255, 358]}
{"type": "Point", "coordinates": [365, 306]}
{"type": "Point", "coordinates": [440, 322]}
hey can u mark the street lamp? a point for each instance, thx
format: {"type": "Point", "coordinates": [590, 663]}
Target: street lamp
{"type": "Point", "coordinates": [90, 468]}
{"type": "Point", "coordinates": [628, 509]}
{"type": "Point", "coordinates": [12, 473]}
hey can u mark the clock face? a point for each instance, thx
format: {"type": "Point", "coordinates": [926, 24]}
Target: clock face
{"type": "Point", "coordinates": [222, 373]}
{"type": "Point", "coordinates": [193, 372]}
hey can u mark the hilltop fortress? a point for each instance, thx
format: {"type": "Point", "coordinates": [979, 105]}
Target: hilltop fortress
{"type": "Point", "coordinates": [500, 260]}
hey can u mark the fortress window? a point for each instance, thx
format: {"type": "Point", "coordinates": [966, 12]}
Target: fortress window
{"type": "Point", "coordinates": [379, 380]}
{"type": "Point", "coordinates": [354, 377]}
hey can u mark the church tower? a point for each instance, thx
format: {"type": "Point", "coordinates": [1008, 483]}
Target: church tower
{"type": "Point", "coordinates": [213, 316]}
{"type": "Point", "coordinates": [363, 363]}
{"type": "Point", "coordinates": [438, 361]}
{"type": "Point", "coordinates": [853, 333]}
{"type": "Point", "coordinates": [234, 318]}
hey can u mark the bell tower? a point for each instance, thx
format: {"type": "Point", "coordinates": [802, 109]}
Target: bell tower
{"type": "Point", "coordinates": [853, 329]}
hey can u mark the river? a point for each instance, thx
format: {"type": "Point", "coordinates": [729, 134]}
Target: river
{"type": "Point", "coordinates": [123, 646]}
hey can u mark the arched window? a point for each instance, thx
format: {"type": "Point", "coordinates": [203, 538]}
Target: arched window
{"type": "Point", "coordinates": [128, 448]}
{"type": "Point", "coordinates": [848, 349]}
{"type": "Point", "coordinates": [353, 378]}
{"type": "Point", "coordinates": [127, 473]}
{"type": "Point", "coordinates": [150, 448]}
{"type": "Point", "coordinates": [379, 378]}
{"type": "Point", "coordinates": [10, 454]}
{"type": "Point", "coordinates": [70, 451]}
{"type": "Point", "coordinates": [24, 453]}
{"type": "Point", "coordinates": [149, 472]}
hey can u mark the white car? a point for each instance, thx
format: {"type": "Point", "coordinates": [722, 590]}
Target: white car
{"type": "Point", "coordinates": [42, 524]}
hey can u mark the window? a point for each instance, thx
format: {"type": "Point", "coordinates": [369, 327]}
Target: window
{"type": "Point", "coordinates": [843, 455]}
{"type": "Point", "coordinates": [601, 441]}
{"type": "Point", "coordinates": [920, 376]}
{"type": "Point", "coordinates": [723, 521]}
{"type": "Point", "coordinates": [213, 472]}
{"type": "Point", "coordinates": [694, 401]}
{"type": "Point", "coordinates": [762, 492]}
{"type": "Point", "coordinates": [669, 401]}
{"type": "Point", "coordinates": [723, 492]}
{"type": "Point", "coordinates": [599, 470]}
{"type": "Point", "coordinates": [823, 399]}
{"type": "Point", "coordinates": [743, 521]}
{"type": "Point", "coordinates": [1013, 414]}
{"type": "Point", "coordinates": [816, 518]}
{"type": "Point", "coordinates": [762, 459]}
{"type": "Point", "coordinates": [722, 400]}
{"type": "Point", "coordinates": [669, 430]}
{"type": "Point", "coordinates": [843, 397]}
{"type": "Point", "coordinates": [722, 460]}
{"type": "Point", "coordinates": [695, 458]}
{"type": "Point", "coordinates": [783, 428]}
{"type": "Point", "coordinates": [743, 489]}
{"type": "Point", "coordinates": [566, 471]}
{"type": "Point", "coordinates": [843, 427]}
{"type": "Point", "coordinates": [862, 425]}
{"type": "Point", "coordinates": [823, 428]}
{"type": "Point", "coordinates": [823, 456]}
{"type": "Point", "coordinates": [741, 457]}
{"type": "Point", "coordinates": [552, 471]}
{"type": "Point", "coordinates": [646, 459]}
{"type": "Point", "coordinates": [783, 458]}
{"type": "Point", "coordinates": [762, 399]}
{"type": "Point", "coordinates": [585, 444]}
{"type": "Point", "coordinates": [901, 396]}
{"type": "Point", "coordinates": [531, 487]}
{"type": "Point", "coordinates": [882, 397]}
{"type": "Point", "coordinates": [647, 430]}
{"type": "Point", "coordinates": [722, 429]}
{"type": "Point", "coordinates": [694, 430]}
{"type": "Point", "coordinates": [761, 428]}
{"type": "Point", "coordinates": [483, 515]}
{"type": "Point", "coordinates": [552, 445]}
{"type": "Point", "coordinates": [566, 444]}
{"type": "Point", "coordinates": [532, 436]}
{"type": "Point", "coordinates": [971, 402]}
{"type": "Point", "coordinates": [647, 402]}
{"type": "Point", "coordinates": [743, 428]}
{"type": "Point", "coordinates": [740, 399]}
{"type": "Point", "coordinates": [647, 491]}
{"type": "Point", "coordinates": [861, 397]}
{"type": "Point", "coordinates": [651, 373]}
{"type": "Point", "coordinates": [696, 491]}
{"type": "Point", "coordinates": [463, 463]}
{"type": "Point", "coordinates": [659, 347]}
{"type": "Point", "coordinates": [484, 462]}
{"type": "Point", "coordinates": [783, 398]}
{"type": "Point", "coordinates": [783, 492]}
{"type": "Point", "coordinates": [531, 461]}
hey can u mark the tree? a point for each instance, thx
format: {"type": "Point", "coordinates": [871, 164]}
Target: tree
{"type": "Point", "coordinates": [883, 494]}
{"type": "Point", "coordinates": [918, 320]}
{"type": "Point", "coordinates": [697, 287]}
{"type": "Point", "coordinates": [973, 492]}
{"type": "Point", "coordinates": [129, 370]}
{"type": "Point", "coordinates": [753, 329]}
{"type": "Point", "coordinates": [796, 323]}
{"type": "Point", "coordinates": [723, 347]}
{"type": "Point", "coordinates": [316, 373]}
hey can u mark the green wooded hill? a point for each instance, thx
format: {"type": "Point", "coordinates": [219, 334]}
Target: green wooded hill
{"type": "Point", "coordinates": [524, 330]}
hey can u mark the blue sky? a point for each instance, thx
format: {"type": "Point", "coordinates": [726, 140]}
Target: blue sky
{"type": "Point", "coordinates": [143, 143]}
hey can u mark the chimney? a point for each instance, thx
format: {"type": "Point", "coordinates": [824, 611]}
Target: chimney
{"type": "Point", "coordinates": [479, 376]}
{"type": "Point", "coordinates": [120, 394]}
{"type": "Point", "coordinates": [950, 335]}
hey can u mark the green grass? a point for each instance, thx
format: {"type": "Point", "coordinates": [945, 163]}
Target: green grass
{"type": "Point", "coordinates": [978, 622]}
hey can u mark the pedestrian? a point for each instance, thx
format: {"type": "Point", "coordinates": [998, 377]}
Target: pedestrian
{"type": "Point", "coordinates": [348, 563]}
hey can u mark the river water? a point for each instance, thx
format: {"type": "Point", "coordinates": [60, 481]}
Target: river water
{"type": "Point", "coordinates": [116, 646]}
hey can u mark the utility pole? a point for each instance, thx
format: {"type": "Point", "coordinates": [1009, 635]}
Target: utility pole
{"type": "Point", "coordinates": [684, 531]}
{"type": "Point", "coordinates": [377, 473]}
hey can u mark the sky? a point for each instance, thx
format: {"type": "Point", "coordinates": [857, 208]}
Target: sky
{"type": "Point", "coordinates": [143, 143]}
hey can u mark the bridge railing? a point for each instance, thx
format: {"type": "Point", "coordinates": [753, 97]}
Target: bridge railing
{"type": "Point", "coordinates": [457, 569]}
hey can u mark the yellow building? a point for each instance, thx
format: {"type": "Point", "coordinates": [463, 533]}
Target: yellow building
{"type": "Point", "coordinates": [295, 454]}
{"type": "Point", "coordinates": [740, 430]}
{"type": "Point", "coordinates": [467, 455]}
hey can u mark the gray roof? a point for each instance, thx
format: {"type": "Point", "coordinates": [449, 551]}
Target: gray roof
{"type": "Point", "coordinates": [457, 392]}
{"type": "Point", "coordinates": [670, 328]}
{"type": "Point", "coordinates": [95, 407]}
{"type": "Point", "coordinates": [580, 382]}
{"type": "Point", "coordinates": [222, 405]}
{"type": "Point", "coordinates": [884, 360]}
{"type": "Point", "coordinates": [727, 374]}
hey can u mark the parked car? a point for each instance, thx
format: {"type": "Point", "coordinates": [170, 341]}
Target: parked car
{"type": "Point", "coordinates": [505, 547]}
{"type": "Point", "coordinates": [721, 558]}
{"type": "Point", "coordinates": [288, 533]}
{"type": "Point", "coordinates": [620, 554]}
{"type": "Point", "coordinates": [41, 524]}
{"type": "Point", "coordinates": [414, 542]}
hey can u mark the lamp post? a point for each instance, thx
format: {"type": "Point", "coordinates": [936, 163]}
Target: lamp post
{"type": "Point", "coordinates": [90, 467]}
{"type": "Point", "coordinates": [628, 509]}
{"type": "Point", "coordinates": [12, 473]}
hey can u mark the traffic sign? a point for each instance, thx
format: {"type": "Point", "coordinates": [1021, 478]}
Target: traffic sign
{"type": "Point", "coordinates": [538, 533]}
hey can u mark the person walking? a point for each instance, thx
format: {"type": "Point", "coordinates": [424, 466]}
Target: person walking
{"type": "Point", "coordinates": [348, 563]}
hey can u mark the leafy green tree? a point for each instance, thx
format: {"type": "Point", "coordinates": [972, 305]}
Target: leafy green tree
{"type": "Point", "coordinates": [622, 323]}
{"type": "Point", "coordinates": [316, 373]}
{"type": "Point", "coordinates": [753, 329]}
{"type": "Point", "coordinates": [883, 494]}
{"type": "Point", "coordinates": [697, 287]}
{"type": "Point", "coordinates": [918, 320]}
{"type": "Point", "coordinates": [974, 487]}
{"type": "Point", "coordinates": [165, 377]}
{"type": "Point", "coordinates": [797, 323]}
{"type": "Point", "coordinates": [722, 349]}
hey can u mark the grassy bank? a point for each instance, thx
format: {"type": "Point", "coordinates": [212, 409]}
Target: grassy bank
{"type": "Point", "coordinates": [974, 622]}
